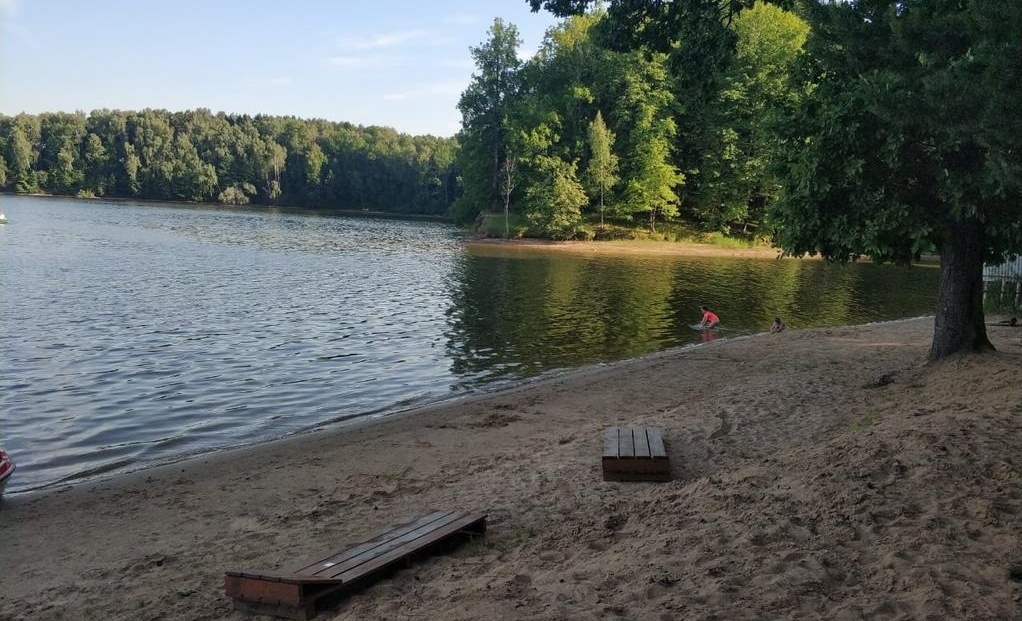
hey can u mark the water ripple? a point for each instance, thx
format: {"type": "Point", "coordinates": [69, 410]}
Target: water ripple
{"type": "Point", "coordinates": [138, 334]}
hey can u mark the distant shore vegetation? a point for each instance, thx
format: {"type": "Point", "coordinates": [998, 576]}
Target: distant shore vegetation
{"type": "Point", "coordinates": [201, 156]}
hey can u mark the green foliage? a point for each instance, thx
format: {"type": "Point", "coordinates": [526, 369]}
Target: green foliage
{"type": "Point", "coordinates": [236, 194]}
{"type": "Point", "coordinates": [601, 173]}
{"type": "Point", "coordinates": [908, 141]}
{"type": "Point", "coordinates": [906, 133]}
{"type": "Point", "coordinates": [554, 204]}
{"type": "Point", "coordinates": [650, 188]}
{"type": "Point", "coordinates": [95, 163]}
{"type": "Point", "coordinates": [553, 126]}
{"type": "Point", "coordinates": [736, 180]}
{"type": "Point", "coordinates": [495, 225]}
{"type": "Point", "coordinates": [197, 156]}
{"type": "Point", "coordinates": [570, 78]}
{"type": "Point", "coordinates": [131, 167]}
{"type": "Point", "coordinates": [706, 79]}
{"type": "Point", "coordinates": [648, 174]}
{"type": "Point", "coordinates": [19, 152]}
{"type": "Point", "coordinates": [485, 109]}
{"type": "Point", "coordinates": [28, 182]}
{"type": "Point", "coordinates": [59, 153]}
{"type": "Point", "coordinates": [720, 240]}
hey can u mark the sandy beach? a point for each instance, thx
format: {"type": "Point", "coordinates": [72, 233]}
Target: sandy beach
{"type": "Point", "coordinates": [627, 247]}
{"type": "Point", "coordinates": [817, 474]}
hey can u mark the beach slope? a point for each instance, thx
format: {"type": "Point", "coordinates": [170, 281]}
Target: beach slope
{"type": "Point", "coordinates": [817, 474]}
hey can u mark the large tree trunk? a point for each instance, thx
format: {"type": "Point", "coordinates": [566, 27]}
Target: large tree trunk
{"type": "Point", "coordinates": [959, 325]}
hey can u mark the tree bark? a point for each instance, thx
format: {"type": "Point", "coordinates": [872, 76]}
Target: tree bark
{"type": "Point", "coordinates": [959, 325]}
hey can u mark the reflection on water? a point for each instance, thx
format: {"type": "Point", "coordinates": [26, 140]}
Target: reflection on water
{"type": "Point", "coordinates": [134, 334]}
{"type": "Point", "coordinates": [518, 312]}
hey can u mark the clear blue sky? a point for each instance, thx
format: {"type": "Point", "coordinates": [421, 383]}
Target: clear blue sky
{"type": "Point", "coordinates": [400, 63]}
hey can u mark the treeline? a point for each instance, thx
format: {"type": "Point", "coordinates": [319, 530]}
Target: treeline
{"type": "Point", "coordinates": [591, 126]}
{"type": "Point", "coordinates": [235, 159]}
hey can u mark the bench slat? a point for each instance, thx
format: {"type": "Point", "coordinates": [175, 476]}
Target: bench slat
{"type": "Point", "coordinates": [376, 563]}
{"type": "Point", "coordinates": [408, 539]}
{"type": "Point", "coordinates": [627, 448]}
{"type": "Point", "coordinates": [610, 443]}
{"type": "Point", "coordinates": [656, 442]}
{"type": "Point", "coordinates": [335, 557]}
{"type": "Point", "coordinates": [641, 441]}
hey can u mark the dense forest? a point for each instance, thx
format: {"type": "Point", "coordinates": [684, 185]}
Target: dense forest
{"type": "Point", "coordinates": [233, 159]}
{"type": "Point", "coordinates": [587, 129]}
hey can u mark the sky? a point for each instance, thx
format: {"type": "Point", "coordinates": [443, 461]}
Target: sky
{"type": "Point", "coordinates": [398, 63]}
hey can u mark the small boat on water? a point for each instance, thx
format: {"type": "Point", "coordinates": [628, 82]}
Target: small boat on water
{"type": "Point", "coordinates": [3, 218]}
{"type": "Point", "coordinates": [6, 470]}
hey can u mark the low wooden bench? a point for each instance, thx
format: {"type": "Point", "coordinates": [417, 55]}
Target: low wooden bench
{"type": "Point", "coordinates": [303, 591]}
{"type": "Point", "coordinates": [635, 454]}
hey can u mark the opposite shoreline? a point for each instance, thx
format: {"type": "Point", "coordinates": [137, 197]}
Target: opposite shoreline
{"type": "Point", "coordinates": [486, 244]}
{"type": "Point", "coordinates": [827, 474]}
{"type": "Point", "coordinates": [325, 211]}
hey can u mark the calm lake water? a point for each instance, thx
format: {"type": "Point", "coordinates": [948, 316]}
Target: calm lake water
{"type": "Point", "coordinates": [137, 334]}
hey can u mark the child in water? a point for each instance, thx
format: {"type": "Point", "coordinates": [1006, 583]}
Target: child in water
{"type": "Point", "coordinates": [709, 320]}
{"type": "Point", "coordinates": [777, 326]}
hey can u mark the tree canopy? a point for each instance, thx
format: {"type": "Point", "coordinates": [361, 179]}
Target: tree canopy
{"type": "Point", "coordinates": [689, 139]}
{"type": "Point", "coordinates": [907, 142]}
{"type": "Point", "coordinates": [236, 159]}
{"type": "Point", "coordinates": [485, 109]}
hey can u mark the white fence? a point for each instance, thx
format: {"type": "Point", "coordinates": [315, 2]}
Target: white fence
{"type": "Point", "coordinates": [1009, 270]}
{"type": "Point", "coordinates": [1002, 285]}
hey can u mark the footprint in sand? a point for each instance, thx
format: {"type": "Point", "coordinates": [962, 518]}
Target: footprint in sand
{"type": "Point", "coordinates": [724, 428]}
{"type": "Point", "coordinates": [494, 419]}
{"type": "Point", "coordinates": [615, 522]}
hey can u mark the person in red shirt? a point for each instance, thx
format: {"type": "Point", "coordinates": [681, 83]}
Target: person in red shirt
{"type": "Point", "coordinates": [710, 320]}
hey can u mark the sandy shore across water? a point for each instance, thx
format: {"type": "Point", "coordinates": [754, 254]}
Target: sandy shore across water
{"type": "Point", "coordinates": [817, 474]}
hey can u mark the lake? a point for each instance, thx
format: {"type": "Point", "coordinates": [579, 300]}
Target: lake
{"type": "Point", "coordinates": [136, 334]}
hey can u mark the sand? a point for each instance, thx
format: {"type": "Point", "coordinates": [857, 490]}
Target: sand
{"type": "Point", "coordinates": [626, 247]}
{"type": "Point", "coordinates": [818, 474]}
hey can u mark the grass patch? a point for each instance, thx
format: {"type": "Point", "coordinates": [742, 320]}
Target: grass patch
{"type": "Point", "coordinates": [674, 231]}
{"type": "Point", "coordinates": [862, 424]}
{"type": "Point", "coordinates": [491, 224]}
{"type": "Point", "coordinates": [735, 243]}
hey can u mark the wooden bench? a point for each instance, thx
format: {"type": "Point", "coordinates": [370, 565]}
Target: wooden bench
{"type": "Point", "coordinates": [303, 591]}
{"type": "Point", "coordinates": [635, 454]}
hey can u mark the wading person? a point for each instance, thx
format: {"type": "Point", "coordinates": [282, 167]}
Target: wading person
{"type": "Point", "coordinates": [710, 320]}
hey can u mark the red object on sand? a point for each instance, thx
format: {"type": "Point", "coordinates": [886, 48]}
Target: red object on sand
{"type": "Point", "coordinates": [6, 470]}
